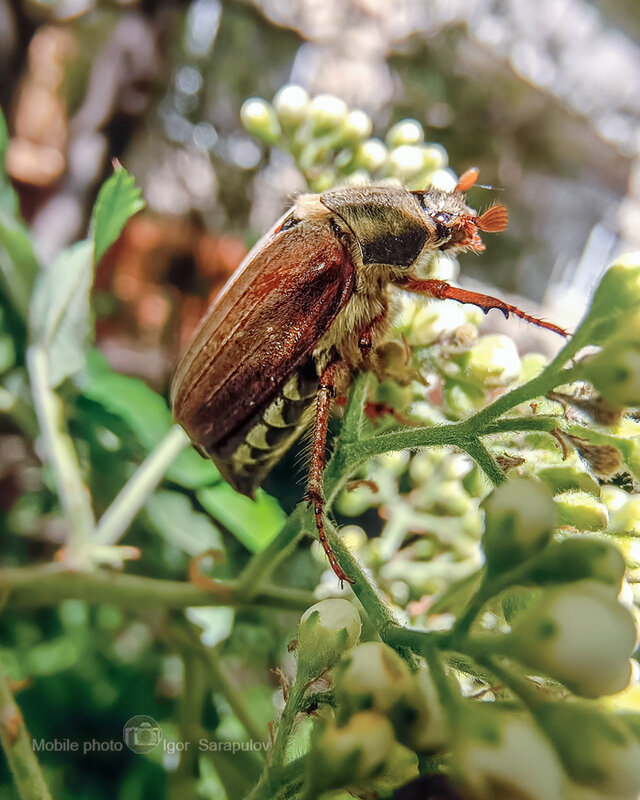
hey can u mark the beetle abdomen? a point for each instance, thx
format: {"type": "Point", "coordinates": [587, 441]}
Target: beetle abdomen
{"type": "Point", "coordinates": [248, 454]}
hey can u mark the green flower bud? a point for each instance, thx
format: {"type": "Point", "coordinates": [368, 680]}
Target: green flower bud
{"type": "Point", "coordinates": [615, 372]}
{"type": "Point", "coordinates": [326, 630]}
{"type": "Point", "coordinates": [577, 634]}
{"type": "Point", "coordinates": [373, 677]}
{"type": "Point", "coordinates": [322, 181]}
{"type": "Point", "coordinates": [407, 131]}
{"type": "Point", "coordinates": [259, 118]}
{"type": "Point", "coordinates": [430, 732]}
{"type": "Point", "coordinates": [503, 755]}
{"type": "Point", "coordinates": [580, 557]}
{"type": "Point", "coordinates": [566, 478]}
{"type": "Point", "coordinates": [351, 753]}
{"type": "Point", "coordinates": [326, 113]}
{"type": "Point", "coordinates": [434, 157]}
{"type": "Point", "coordinates": [400, 767]}
{"type": "Point", "coordinates": [291, 104]}
{"type": "Point", "coordinates": [493, 361]}
{"type": "Point", "coordinates": [532, 364]}
{"type": "Point", "coordinates": [371, 155]}
{"type": "Point", "coordinates": [597, 749]}
{"type": "Point", "coordinates": [519, 519]}
{"type": "Point", "coordinates": [582, 511]}
{"type": "Point", "coordinates": [617, 295]}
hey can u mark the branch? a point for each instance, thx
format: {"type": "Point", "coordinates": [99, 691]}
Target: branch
{"type": "Point", "coordinates": [61, 456]}
{"type": "Point", "coordinates": [116, 520]}
{"type": "Point", "coordinates": [17, 745]}
{"type": "Point", "coordinates": [33, 587]}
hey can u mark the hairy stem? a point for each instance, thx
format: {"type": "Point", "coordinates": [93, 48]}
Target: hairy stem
{"type": "Point", "coordinates": [34, 587]}
{"type": "Point", "coordinates": [16, 743]}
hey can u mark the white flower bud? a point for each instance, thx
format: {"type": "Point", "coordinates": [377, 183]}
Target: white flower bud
{"type": "Point", "coordinates": [372, 155]}
{"type": "Point", "coordinates": [578, 634]}
{"type": "Point", "coordinates": [493, 361]}
{"type": "Point", "coordinates": [502, 755]}
{"type": "Point", "coordinates": [291, 104]}
{"type": "Point", "coordinates": [327, 113]}
{"type": "Point", "coordinates": [357, 126]}
{"type": "Point", "coordinates": [373, 676]}
{"type": "Point", "coordinates": [443, 179]}
{"type": "Point", "coordinates": [326, 630]}
{"type": "Point", "coordinates": [259, 118]}
{"type": "Point", "coordinates": [519, 519]}
{"type": "Point", "coordinates": [596, 748]}
{"type": "Point", "coordinates": [406, 161]}
{"type": "Point", "coordinates": [352, 752]}
{"type": "Point", "coordinates": [434, 157]}
{"type": "Point", "coordinates": [405, 132]}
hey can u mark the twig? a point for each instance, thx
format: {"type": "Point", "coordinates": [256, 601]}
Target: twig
{"type": "Point", "coordinates": [18, 748]}
{"type": "Point", "coordinates": [116, 520]}
{"type": "Point", "coordinates": [61, 456]}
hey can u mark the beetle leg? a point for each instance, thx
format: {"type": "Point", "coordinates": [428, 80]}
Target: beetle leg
{"type": "Point", "coordinates": [315, 493]}
{"type": "Point", "coordinates": [444, 291]}
{"type": "Point", "coordinates": [367, 334]}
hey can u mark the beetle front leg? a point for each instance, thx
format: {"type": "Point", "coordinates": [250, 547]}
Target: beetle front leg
{"type": "Point", "coordinates": [315, 491]}
{"type": "Point", "coordinates": [444, 291]}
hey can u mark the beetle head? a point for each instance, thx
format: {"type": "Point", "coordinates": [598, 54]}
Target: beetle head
{"type": "Point", "coordinates": [395, 227]}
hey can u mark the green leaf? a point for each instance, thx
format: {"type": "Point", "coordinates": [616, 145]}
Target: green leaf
{"type": "Point", "coordinates": [147, 414]}
{"type": "Point", "coordinates": [18, 263]}
{"type": "Point", "coordinates": [60, 313]}
{"type": "Point", "coordinates": [255, 523]}
{"type": "Point", "coordinates": [118, 200]}
{"type": "Point", "coordinates": [172, 515]}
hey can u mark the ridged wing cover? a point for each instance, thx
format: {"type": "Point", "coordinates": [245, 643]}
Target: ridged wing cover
{"type": "Point", "coordinates": [266, 321]}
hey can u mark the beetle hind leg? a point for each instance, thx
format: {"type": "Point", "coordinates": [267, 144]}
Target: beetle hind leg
{"type": "Point", "coordinates": [315, 493]}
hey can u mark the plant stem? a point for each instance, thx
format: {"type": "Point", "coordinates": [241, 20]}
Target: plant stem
{"type": "Point", "coordinates": [281, 783]}
{"type": "Point", "coordinates": [485, 461]}
{"type": "Point", "coordinates": [262, 564]}
{"type": "Point", "coordinates": [17, 745]}
{"type": "Point", "coordinates": [61, 456]}
{"type": "Point", "coordinates": [116, 520]}
{"type": "Point", "coordinates": [287, 720]}
{"type": "Point", "coordinates": [33, 587]}
{"type": "Point", "coordinates": [186, 635]}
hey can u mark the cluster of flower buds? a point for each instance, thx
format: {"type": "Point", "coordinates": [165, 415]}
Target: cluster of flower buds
{"type": "Point", "coordinates": [332, 143]}
{"type": "Point", "coordinates": [382, 712]}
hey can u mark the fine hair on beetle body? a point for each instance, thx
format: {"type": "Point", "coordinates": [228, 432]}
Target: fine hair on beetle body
{"type": "Point", "coordinates": [308, 307]}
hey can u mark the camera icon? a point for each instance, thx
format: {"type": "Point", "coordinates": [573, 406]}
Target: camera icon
{"type": "Point", "coordinates": [142, 734]}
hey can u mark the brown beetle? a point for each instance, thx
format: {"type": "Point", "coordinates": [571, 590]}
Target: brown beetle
{"type": "Point", "coordinates": [309, 306]}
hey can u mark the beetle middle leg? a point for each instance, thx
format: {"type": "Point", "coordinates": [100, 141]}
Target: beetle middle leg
{"type": "Point", "coordinates": [315, 491]}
